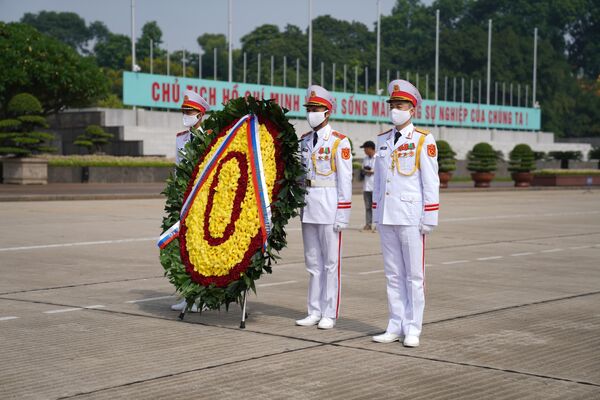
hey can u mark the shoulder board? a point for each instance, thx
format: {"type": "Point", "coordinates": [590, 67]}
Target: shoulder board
{"type": "Point", "coordinates": [338, 135]}
{"type": "Point", "coordinates": [422, 131]}
{"type": "Point", "coordinates": [305, 135]}
{"type": "Point", "coordinates": [181, 133]}
{"type": "Point", "coordinates": [385, 133]}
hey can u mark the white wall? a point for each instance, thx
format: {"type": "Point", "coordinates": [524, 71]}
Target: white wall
{"type": "Point", "coordinates": [157, 129]}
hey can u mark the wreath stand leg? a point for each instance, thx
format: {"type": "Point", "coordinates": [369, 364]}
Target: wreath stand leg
{"type": "Point", "coordinates": [243, 322]}
{"type": "Point", "coordinates": [199, 311]}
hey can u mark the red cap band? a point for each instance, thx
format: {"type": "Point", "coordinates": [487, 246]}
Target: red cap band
{"type": "Point", "coordinates": [193, 104]}
{"type": "Point", "coordinates": [400, 95]}
{"type": "Point", "coordinates": [321, 101]}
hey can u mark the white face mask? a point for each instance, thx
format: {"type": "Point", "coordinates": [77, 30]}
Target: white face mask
{"type": "Point", "coordinates": [315, 118]}
{"type": "Point", "coordinates": [399, 117]}
{"type": "Point", "coordinates": [190, 120]}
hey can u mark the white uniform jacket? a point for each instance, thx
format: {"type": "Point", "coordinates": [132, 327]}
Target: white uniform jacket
{"type": "Point", "coordinates": [181, 139]}
{"type": "Point", "coordinates": [328, 177]}
{"type": "Point", "coordinates": [405, 193]}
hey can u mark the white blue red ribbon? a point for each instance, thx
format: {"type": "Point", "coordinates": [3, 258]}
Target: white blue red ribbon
{"type": "Point", "coordinates": [258, 175]}
{"type": "Point", "coordinates": [169, 235]}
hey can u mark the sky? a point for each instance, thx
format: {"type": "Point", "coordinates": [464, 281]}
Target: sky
{"type": "Point", "coordinates": [182, 21]}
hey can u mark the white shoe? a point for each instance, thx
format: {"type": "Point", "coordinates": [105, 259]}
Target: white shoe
{"type": "Point", "coordinates": [387, 338]}
{"type": "Point", "coordinates": [183, 305]}
{"type": "Point", "coordinates": [308, 321]}
{"type": "Point", "coordinates": [411, 341]}
{"type": "Point", "coordinates": [179, 306]}
{"type": "Point", "coordinates": [326, 323]}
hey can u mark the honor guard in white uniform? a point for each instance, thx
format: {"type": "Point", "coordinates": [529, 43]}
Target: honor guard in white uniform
{"type": "Point", "coordinates": [193, 109]}
{"type": "Point", "coordinates": [327, 158]}
{"type": "Point", "coordinates": [405, 208]}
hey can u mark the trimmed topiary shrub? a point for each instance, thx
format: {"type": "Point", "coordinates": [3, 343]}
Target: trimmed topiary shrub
{"type": "Point", "coordinates": [93, 139]}
{"type": "Point", "coordinates": [594, 154]}
{"type": "Point", "coordinates": [521, 159]}
{"type": "Point", "coordinates": [18, 135]}
{"type": "Point", "coordinates": [482, 158]}
{"type": "Point", "coordinates": [446, 160]}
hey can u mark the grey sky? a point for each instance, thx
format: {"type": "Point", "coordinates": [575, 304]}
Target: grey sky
{"type": "Point", "coordinates": [182, 21]}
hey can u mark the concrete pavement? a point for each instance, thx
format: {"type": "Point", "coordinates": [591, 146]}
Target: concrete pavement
{"type": "Point", "coordinates": [513, 287]}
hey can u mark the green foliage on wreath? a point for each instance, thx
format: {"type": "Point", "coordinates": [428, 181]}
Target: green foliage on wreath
{"type": "Point", "coordinates": [290, 199]}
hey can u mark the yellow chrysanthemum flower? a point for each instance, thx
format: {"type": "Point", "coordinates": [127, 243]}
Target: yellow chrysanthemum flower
{"type": "Point", "coordinates": [218, 260]}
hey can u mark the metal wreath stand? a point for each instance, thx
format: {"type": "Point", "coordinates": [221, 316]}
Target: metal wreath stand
{"type": "Point", "coordinates": [243, 309]}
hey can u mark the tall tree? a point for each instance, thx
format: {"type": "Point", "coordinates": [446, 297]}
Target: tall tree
{"type": "Point", "coordinates": [99, 31]}
{"type": "Point", "coordinates": [209, 42]}
{"type": "Point", "coordinates": [67, 27]}
{"type": "Point", "coordinates": [48, 69]}
{"type": "Point", "coordinates": [112, 52]}
{"type": "Point", "coordinates": [584, 46]}
{"type": "Point", "coordinates": [150, 31]}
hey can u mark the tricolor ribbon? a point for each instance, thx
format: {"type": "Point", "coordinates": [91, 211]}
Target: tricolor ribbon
{"type": "Point", "coordinates": [169, 235]}
{"type": "Point", "coordinates": [258, 177]}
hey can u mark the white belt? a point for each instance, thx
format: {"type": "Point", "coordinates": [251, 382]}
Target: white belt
{"type": "Point", "coordinates": [320, 183]}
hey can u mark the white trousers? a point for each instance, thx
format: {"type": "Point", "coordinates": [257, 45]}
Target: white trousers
{"type": "Point", "coordinates": [403, 250]}
{"type": "Point", "coordinates": [322, 255]}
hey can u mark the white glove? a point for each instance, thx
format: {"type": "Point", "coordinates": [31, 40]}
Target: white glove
{"type": "Point", "coordinates": [426, 229]}
{"type": "Point", "coordinates": [339, 226]}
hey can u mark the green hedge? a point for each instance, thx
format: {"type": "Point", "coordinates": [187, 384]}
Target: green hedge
{"type": "Point", "coordinates": [567, 172]}
{"type": "Point", "coordinates": [108, 161]}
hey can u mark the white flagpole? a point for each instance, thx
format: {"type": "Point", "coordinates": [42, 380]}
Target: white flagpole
{"type": "Point", "coordinates": [535, 31]}
{"type": "Point", "coordinates": [377, 88]}
{"type": "Point", "coordinates": [437, 52]}
{"type": "Point", "coordinates": [133, 35]}
{"type": "Point", "coordinates": [309, 42]}
{"type": "Point", "coordinates": [489, 66]}
{"type": "Point", "coordinates": [230, 44]}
